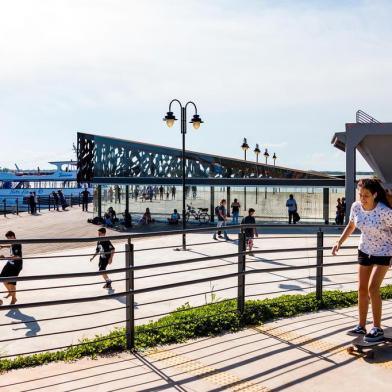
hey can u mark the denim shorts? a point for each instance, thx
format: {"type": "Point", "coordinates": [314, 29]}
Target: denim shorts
{"type": "Point", "coordinates": [366, 260]}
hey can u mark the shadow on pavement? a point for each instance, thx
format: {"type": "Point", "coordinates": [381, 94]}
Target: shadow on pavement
{"type": "Point", "coordinates": [30, 322]}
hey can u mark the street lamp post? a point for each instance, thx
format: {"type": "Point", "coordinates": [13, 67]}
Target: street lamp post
{"type": "Point", "coordinates": [266, 155]}
{"type": "Point", "coordinates": [257, 152]}
{"type": "Point", "coordinates": [196, 121]}
{"type": "Point", "coordinates": [274, 158]}
{"type": "Point", "coordinates": [245, 148]}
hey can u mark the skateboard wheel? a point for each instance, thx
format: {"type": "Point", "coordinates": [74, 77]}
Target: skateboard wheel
{"type": "Point", "coordinates": [350, 349]}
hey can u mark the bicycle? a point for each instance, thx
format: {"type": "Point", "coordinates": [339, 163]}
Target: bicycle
{"type": "Point", "coordinates": [200, 215]}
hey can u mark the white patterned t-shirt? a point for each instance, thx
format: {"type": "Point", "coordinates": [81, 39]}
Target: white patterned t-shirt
{"type": "Point", "coordinates": [375, 226]}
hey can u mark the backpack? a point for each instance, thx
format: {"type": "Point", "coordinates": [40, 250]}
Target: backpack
{"type": "Point", "coordinates": [217, 209]}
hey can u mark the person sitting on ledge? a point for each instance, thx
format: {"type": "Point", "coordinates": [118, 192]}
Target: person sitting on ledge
{"type": "Point", "coordinates": [127, 219]}
{"type": "Point", "coordinates": [146, 219]}
{"type": "Point", "coordinates": [174, 218]}
{"type": "Point", "coordinates": [107, 220]}
{"type": "Point", "coordinates": [112, 215]}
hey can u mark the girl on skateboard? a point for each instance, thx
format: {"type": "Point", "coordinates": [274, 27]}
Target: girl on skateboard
{"type": "Point", "coordinates": [372, 215]}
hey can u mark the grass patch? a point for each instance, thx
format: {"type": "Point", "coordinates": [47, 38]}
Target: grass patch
{"type": "Point", "coordinates": [188, 323]}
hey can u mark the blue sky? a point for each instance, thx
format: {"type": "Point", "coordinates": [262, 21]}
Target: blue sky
{"type": "Point", "coordinates": [284, 74]}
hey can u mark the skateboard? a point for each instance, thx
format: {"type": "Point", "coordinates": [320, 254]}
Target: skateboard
{"type": "Point", "coordinates": [359, 346]}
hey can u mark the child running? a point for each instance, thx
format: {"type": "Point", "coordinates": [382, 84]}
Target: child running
{"type": "Point", "coordinates": [13, 267]}
{"type": "Point", "coordinates": [250, 232]}
{"type": "Point", "coordinates": [105, 249]}
{"type": "Point", "coordinates": [373, 216]}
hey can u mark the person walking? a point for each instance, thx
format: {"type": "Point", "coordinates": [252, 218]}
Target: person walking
{"type": "Point", "coordinates": [85, 196]}
{"type": "Point", "coordinates": [235, 211]}
{"type": "Point", "coordinates": [56, 201]}
{"type": "Point", "coordinates": [339, 213]}
{"type": "Point", "coordinates": [105, 249]}
{"type": "Point", "coordinates": [31, 203]}
{"type": "Point", "coordinates": [13, 267]}
{"type": "Point", "coordinates": [343, 209]}
{"type": "Point", "coordinates": [250, 232]}
{"type": "Point", "coordinates": [221, 214]}
{"type": "Point", "coordinates": [35, 202]}
{"type": "Point", "coordinates": [173, 193]}
{"type": "Point", "coordinates": [62, 200]}
{"type": "Point", "coordinates": [292, 207]}
{"type": "Point", "coordinates": [161, 190]}
{"type": "Point", "coordinates": [372, 215]}
{"type": "Point", "coordinates": [117, 192]}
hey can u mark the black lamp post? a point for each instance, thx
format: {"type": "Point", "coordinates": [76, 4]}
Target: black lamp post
{"type": "Point", "coordinates": [266, 156]}
{"type": "Point", "coordinates": [196, 121]}
{"type": "Point", "coordinates": [274, 158]}
{"type": "Point", "coordinates": [266, 162]}
{"type": "Point", "coordinates": [245, 148]}
{"type": "Point", "coordinates": [257, 152]}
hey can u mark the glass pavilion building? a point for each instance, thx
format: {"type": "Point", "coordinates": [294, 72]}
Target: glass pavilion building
{"type": "Point", "coordinates": [123, 171]}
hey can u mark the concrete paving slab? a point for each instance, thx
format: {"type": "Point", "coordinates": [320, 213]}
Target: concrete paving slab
{"type": "Point", "coordinates": [306, 353]}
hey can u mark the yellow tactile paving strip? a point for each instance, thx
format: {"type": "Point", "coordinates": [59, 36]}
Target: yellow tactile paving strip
{"type": "Point", "coordinates": [205, 372]}
{"type": "Point", "coordinates": [322, 346]}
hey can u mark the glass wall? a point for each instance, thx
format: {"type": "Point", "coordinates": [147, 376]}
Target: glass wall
{"type": "Point", "coordinates": [269, 202]}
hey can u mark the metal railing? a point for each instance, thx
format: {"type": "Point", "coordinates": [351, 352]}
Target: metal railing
{"type": "Point", "coordinates": [362, 117]}
{"type": "Point", "coordinates": [16, 205]}
{"type": "Point", "coordinates": [241, 269]}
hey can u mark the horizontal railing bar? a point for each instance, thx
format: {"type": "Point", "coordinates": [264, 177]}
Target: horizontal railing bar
{"type": "Point", "coordinates": [63, 317]}
{"type": "Point", "coordinates": [163, 264]}
{"type": "Point", "coordinates": [173, 285]}
{"type": "Point", "coordinates": [158, 233]}
{"type": "Point", "coordinates": [185, 310]}
{"type": "Point", "coordinates": [186, 296]}
{"type": "Point", "coordinates": [58, 276]}
{"type": "Point", "coordinates": [62, 332]}
{"type": "Point", "coordinates": [63, 287]}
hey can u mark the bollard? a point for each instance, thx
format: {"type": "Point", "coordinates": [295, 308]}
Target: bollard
{"type": "Point", "coordinates": [241, 272]}
{"type": "Point", "coordinates": [49, 203]}
{"type": "Point", "coordinates": [5, 207]}
{"type": "Point", "coordinates": [130, 300]}
{"type": "Point", "coordinates": [17, 206]}
{"type": "Point", "coordinates": [320, 262]}
{"type": "Point", "coordinates": [39, 204]}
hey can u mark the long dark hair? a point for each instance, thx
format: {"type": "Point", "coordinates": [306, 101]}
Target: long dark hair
{"type": "Point", "coordinates": [374, 186]}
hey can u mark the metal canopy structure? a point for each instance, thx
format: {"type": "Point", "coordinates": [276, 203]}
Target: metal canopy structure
{"type": "Point", "coordinates": [106, 160]}
{"type": "Point", "coordinates": [373, 140]}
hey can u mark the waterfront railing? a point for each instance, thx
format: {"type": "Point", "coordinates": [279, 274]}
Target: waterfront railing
{"type": "Point", "coordinates": [150, 281]}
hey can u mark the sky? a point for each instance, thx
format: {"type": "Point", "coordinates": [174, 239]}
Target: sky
{"type": "Point", "coordinates": [284, 74]}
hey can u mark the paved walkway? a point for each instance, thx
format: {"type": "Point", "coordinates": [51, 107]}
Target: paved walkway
{"type": "Point", "coordinates": [306, 353]}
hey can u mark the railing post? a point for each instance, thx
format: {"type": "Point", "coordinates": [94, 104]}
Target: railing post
{"type": "Point", "coordinates": [71, 201]}
{"type": "Point", "coordinates": [39, 204]}
{"type": "Point", "coordinates": [130, 303]}
{"type": "Point", "coordinates": [241, 272]}
{"type": "Point", "coordinates": [17, 206]}
{"type": "Point", "coordinates": [320, 261]}
{"type": "Point", "coordinates": [5, 207]}
{"type": "Point", "coordinates": [49, 203]}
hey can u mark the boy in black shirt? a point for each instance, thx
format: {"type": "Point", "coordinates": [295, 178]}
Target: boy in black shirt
{"type": "Point", "coordinates": [105, 249]}
{"type": "Point", "coordinates": [13, 267]}
{"type": "Point", "coordinates": [250, 232]}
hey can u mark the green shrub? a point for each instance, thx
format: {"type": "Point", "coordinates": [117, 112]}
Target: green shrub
{"type": "Point", "coordinates": [188, 323]}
